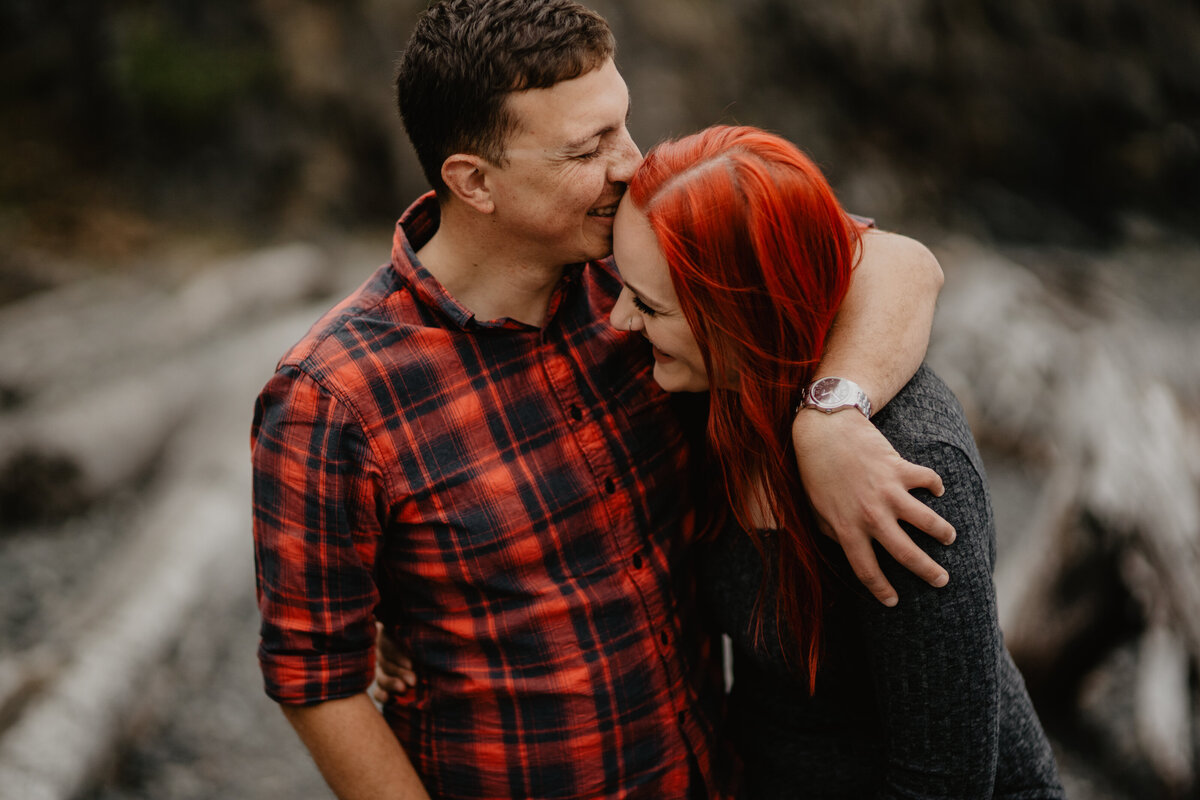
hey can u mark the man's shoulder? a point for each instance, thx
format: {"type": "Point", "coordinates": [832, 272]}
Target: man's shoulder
{"type": "Point", "coordinates": [352, 334]}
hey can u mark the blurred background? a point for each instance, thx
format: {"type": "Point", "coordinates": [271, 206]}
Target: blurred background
{"type": "Point", "coordinates": [185, 186]}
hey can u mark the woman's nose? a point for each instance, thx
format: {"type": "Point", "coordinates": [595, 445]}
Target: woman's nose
{"type": "Point", "coordinates": [624, 316]}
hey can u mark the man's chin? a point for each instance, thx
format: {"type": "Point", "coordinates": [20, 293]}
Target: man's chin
{"type": "Point", "coordinates": [598, 252]}
{"type": "Point", "coordinates": [603, 245]}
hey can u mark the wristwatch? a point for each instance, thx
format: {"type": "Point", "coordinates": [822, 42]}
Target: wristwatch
{"type": "Point", "coordinates": [836, 394]}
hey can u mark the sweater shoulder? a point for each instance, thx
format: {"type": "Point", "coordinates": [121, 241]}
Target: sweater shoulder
{"type": "Point", "coordinates": [925, 419]}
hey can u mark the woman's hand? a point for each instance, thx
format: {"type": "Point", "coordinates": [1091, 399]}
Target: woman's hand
{"type": "Point", "coordinates": [860, 488]}
{"type": "Point", "coordinates": [393, 668]}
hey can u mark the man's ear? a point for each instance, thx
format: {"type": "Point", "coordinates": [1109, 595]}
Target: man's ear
{"type": "Point", "coordinates": [466, 177]}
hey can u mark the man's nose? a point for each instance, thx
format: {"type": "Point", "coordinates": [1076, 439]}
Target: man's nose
{"type": "Point", "coordinates": [626, 160]}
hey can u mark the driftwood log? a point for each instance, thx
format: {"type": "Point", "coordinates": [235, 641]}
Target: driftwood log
{"type": "Point", "coordinates": [55, 344]}
{"type": "Point", "coordinates": [66, 704]}
{"type": "Point", "coordinates": [100, 374]}
{"type": "Point", "coordinates": [1112, 554]}
{"type": "Point", "coordinates": [113, 384]}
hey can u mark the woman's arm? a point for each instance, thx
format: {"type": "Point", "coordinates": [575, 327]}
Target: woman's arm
{"type": "Point", "coordinates": [935, 660]}
{"type": "Point", "coordinates": [855, 480]}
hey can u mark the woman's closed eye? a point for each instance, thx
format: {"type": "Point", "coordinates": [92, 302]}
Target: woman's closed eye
{"type": "Point", "coordinates": [642, 307]}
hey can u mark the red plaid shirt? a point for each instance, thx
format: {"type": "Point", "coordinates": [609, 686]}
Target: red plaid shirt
{"type": "Point", "coordinates": [511, 503]}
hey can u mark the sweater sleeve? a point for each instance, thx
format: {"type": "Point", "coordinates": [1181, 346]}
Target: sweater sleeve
{"type": "Point", "coordinates": [936, 657]}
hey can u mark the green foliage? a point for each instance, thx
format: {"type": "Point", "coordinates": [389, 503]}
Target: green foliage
{"type": "Point", "coordinates": [177, 77]}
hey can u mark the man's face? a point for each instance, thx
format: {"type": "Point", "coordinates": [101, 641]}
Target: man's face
{"type": "Point", "coordinates": [567, 165]}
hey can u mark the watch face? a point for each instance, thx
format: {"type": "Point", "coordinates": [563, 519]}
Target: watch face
{"type": "Point", "coordinates": [830, 392]}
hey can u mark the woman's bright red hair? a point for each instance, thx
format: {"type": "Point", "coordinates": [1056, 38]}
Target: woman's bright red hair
{"type": "Point", "coordinates": [760, 254]}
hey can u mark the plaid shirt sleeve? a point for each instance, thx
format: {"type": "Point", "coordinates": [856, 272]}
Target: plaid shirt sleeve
{"type": "Point", "coordinates": [315, 536]}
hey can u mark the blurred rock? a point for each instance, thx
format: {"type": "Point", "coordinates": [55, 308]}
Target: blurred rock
{"type": "Point", "coordinates": [1030, 121]}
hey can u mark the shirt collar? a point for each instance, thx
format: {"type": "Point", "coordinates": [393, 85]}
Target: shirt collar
{"type": "Point", "coordinates": [416, 227]}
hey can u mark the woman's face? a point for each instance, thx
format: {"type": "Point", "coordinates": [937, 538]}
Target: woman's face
{"type": "Point", "coordinates": [648, 303]}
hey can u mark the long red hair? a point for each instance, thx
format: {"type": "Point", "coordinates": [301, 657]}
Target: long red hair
{"type": "Point", "coordinates": [760, 254]}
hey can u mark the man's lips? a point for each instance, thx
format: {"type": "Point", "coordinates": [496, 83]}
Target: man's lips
{"type": "Point", "coordinates": [604, 212]}
{"type": "Point", "coordinates": [659, 355]}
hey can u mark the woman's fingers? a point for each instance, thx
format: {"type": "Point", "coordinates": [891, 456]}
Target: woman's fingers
{"type": "Point", "coordinates": [387, 685]}
{"type": "Point", "coordinates": [393, 668]}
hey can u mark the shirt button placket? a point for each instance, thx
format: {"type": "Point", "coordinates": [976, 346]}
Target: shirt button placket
{"type": "Point", "coordinates": [587, 429]}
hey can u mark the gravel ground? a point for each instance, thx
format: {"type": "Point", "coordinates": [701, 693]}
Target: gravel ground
{"type": "Point", "coordinates": [43, 569]}
{"type": "Point", "coordinates": [222, 739]}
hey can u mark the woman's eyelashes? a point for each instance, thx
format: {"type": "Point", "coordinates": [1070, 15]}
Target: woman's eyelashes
{"type": "Point", "coordinates": [642, 307]}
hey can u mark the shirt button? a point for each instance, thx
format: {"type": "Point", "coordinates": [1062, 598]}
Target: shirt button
{"type": "Point", "coordinates": [637, 560]}
{"type": "Point", "coordinates": [680, 717]}
{"type": "Point", "coordinates": [664, 638]}
{"type": "Point", "coordinates": [609, 486]}
{"type": "Point", "coordinates": [576, 414]}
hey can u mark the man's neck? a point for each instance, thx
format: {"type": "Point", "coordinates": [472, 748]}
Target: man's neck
{"type": "Point", "coordinates": [487, 279]}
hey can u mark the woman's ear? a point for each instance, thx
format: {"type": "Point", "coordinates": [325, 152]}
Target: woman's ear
{"type": "Point", "coordinates": [466, 177]}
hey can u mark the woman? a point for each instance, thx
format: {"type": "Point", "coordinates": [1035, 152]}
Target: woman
{"type": "Point", "coordinates": [736, 255]}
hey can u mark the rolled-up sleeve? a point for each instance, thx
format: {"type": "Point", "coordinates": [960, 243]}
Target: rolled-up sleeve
{"type": "Point", "coordinates": [316, 532]}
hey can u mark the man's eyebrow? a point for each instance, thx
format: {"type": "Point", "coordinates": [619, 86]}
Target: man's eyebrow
{"type": "Point", "coordinates": [581, 141]}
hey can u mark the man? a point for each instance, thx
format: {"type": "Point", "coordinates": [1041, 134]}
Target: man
{"type": "Point", "coordinates": [465, 450]}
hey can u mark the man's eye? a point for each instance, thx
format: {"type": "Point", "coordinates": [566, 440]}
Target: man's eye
{"type": "Point", "coordinates": [642, 307]}
{"type": "Point", "coordinates": [589, 156]}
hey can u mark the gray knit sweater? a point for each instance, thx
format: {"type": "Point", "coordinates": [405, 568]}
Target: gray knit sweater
{"type": "Point", "coordinates": [917, 701]}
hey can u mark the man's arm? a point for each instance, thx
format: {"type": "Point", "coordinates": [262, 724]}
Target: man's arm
{"type": "Point", "coordinates": [355, 750]}
{"type": "Point", "coordinates": [316, 529]}
{"type": "Point", "coordinates": [856, 481]}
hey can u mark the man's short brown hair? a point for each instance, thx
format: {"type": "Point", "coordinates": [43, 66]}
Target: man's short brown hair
{"type": "Point", "coordinates": [466, 56]}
